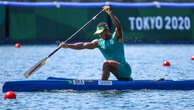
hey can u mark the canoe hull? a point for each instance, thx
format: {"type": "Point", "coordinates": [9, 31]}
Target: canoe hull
{"type": "Point", "coordinates": [72, 84]}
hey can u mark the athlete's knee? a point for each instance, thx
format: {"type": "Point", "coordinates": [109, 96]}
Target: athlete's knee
{"type": "Point", "coordinates": [106, 65]}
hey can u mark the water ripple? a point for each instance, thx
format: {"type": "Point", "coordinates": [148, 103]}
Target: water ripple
{"type": "Point", "coordinates": [145, 60]}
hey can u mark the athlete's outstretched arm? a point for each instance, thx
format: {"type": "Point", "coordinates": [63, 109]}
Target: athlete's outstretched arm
{"type": "Point", "coordinates": [81, 45]}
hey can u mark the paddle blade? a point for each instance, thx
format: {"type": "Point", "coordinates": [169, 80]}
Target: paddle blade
{"type": "Point", "coordinates": [35, 67]}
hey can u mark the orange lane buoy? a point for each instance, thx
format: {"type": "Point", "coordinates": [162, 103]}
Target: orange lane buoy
{"type": "Point", "coordinates": [166, 63]}
{"type": "Point", "coordinates": [9, 95]}
{"type": "Point", "coordinates": [17, 45]}
{"type": "Point", "coordinates": [192, 57]}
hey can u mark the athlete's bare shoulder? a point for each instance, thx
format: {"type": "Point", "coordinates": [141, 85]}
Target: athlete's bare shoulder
{"type": "Point", "coordinates": [95, 41]}
{"type": "Point", "coordinates": [91, 45]}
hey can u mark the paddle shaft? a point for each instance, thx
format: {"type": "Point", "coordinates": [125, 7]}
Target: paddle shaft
{"type": "Point", "coordinates": [75, 33]}
{"type": "Point", "coordinates": [43, 61]}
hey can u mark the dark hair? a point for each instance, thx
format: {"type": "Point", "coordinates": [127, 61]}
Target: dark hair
{"type": "Point", "coordinates": [102, 24]}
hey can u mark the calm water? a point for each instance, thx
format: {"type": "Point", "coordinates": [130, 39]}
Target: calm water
{"type": "Point", "coordinates": [145, 60]}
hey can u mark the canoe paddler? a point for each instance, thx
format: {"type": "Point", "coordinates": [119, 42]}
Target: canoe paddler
{"type": "Point", "coordinates": [111, 46]}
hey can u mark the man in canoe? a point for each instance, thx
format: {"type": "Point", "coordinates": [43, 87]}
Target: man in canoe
{"type": "Point", "coordinates": [111, 46]}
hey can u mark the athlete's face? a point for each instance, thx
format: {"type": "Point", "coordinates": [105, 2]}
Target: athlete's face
{"type": "Point", "coordinates": [104, 34]}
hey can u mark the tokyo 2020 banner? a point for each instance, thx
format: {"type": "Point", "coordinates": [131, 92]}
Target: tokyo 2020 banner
{"type": "Point", "coordinates": [142, 22]}
{"type": "Point", "coordinates": [157, 24]}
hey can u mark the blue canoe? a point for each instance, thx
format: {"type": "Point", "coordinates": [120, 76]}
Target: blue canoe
{"type": "Point", "coordinates": [53, 83]}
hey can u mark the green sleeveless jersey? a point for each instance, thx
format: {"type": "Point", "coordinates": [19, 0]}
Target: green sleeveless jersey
{"type": "Point", "coordinates": [112, 49]}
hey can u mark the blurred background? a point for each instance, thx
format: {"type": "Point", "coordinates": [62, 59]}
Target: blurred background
{"type": "Point", "coordinates": [104, 0]}
{"type": "Point", "coordinates": [143, 21]}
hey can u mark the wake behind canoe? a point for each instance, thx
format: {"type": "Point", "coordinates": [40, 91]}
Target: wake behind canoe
{"type": "Point", "coordinates": [53, 83]}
